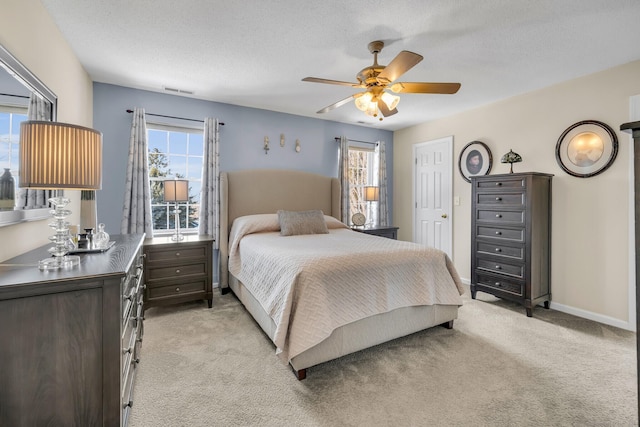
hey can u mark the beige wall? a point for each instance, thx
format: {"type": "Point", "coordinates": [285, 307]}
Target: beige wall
{"type": "Point", "coordinates": [27, 31]}
{"type": "Point", "coordinates": [591, 236]}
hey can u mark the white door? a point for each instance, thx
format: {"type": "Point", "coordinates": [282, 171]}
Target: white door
{"type": "Point", "coordinates": [433, 168]}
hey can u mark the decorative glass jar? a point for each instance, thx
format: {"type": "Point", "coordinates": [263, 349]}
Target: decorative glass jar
{"type": "Point", "coordinates": [101, 238]}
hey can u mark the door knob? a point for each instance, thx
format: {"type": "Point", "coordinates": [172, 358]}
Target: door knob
{"type": "Point", "coordinates": [444, 215]}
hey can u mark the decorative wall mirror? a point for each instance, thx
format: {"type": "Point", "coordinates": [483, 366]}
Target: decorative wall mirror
{"type": "Point", "coordinates": [17, 86]}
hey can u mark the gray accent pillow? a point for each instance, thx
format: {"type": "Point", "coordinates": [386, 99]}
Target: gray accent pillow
{"type": "Point", "coordinates": [304, 222]}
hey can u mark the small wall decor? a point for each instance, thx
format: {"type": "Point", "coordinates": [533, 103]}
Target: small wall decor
{"type": "Point", "coordinates": [586, 148]}
{"type": "Point", "coordinates": [475, 159]}
{"type": "Point", "coordinates": [298, 148]}
{"type": "Point", "coordinates": [266, 145]}
{"type": "Point", "coordinates": [282, 140]}
{"type": "Point", "coordinates": [511, 158]}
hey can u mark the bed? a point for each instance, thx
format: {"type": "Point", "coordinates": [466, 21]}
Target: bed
{"type": "Point", "coordinates": [321, 296]}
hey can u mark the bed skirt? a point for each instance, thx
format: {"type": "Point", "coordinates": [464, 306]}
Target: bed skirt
{"type": "Point", "coordinates": [354, 336]}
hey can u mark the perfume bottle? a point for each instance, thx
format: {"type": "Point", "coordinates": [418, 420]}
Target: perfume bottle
{"type": "Point", "coordinates": [101, 238]}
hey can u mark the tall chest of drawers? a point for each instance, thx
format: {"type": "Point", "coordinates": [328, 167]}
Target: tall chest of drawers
{"type": "Point", "coordinates": [70, 339]}
{"type": "Point", "coordinates": [178, 272]}
{"type": "Point", "coordinates": [511, 237]}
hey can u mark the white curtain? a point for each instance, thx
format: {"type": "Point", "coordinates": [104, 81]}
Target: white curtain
{"type": "Point", "coordinates": [383, 204]}
{"type": "Point", "coordinates": [209, 198]}
{"type": "Point", "coordinates": [343, 176]}
{"type": "Point", "coordinates": [39, 109]}
{"type": "Point", "coordinates": [136, 216]}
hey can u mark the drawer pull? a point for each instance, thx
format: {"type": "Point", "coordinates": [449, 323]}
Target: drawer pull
{"type": "Point", "coordinates": [136, 361]}
{"type": "Point", "coordinates": [177, 289]}
{"type": "Point", "coordinates": [127, 350]}
{"type": "Point", "coordinates": [127, 297]}
{"type": "Point", "coordinates": [498, 284]}
{"type": "Point", "coordinates": [498, 233]}
{"type": "Point", "coordinates": [498, 267]}
{"type": "Point", "coordinates": [498, 215]}
{"type": "Point", "coordinates": [498, 199]}
{"type": "Point", "coordinates": [498, 184]}
{"type": "Point", "coordinates": [178, 271]}
{"type": "Point", "coordinates": [177, 253]}
{"type": "Point", "coordinates": [498, 250]}
{"type": "Point", "coordinates": [129, 404]}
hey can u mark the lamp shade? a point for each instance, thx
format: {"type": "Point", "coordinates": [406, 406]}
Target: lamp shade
{"type": "Point", "coordinates": [371, 194]}
{"type": "Point", "coordinates": [176, 190]}
{"type": "Point", "coordinates": [60, 155]}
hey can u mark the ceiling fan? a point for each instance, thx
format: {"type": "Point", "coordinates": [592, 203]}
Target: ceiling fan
{"type": "Point", "coordinates": [378, 79]}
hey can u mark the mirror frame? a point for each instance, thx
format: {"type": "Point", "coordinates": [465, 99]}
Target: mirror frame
{"type": "Point", "coordinates": [21, 73]}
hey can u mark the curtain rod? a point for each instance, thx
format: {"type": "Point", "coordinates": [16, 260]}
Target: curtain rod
{"type": "Point", "coordinates": [337, 138]}
{"type": "Point", "coordinates": [174, 117]}
{"type": "Point", "coordinates": [15, 96]}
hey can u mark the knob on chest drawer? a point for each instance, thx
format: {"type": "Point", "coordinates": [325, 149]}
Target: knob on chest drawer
{"type": "Point", "coordinates": [498, 184]}
{"type": "Point", "coordinates": [177, 253]}
{"type": "Point", "coordinates": [498, 199]}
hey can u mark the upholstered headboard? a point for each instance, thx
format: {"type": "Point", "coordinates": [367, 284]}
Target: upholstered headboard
{"type": "Point", "coordinates": [259, 191]}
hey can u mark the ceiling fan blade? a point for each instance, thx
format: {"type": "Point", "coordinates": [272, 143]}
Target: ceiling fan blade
{"type": "Point", "coordinates": [331, 82]}
{"type": "Point", "coordinates": [385, 110]}
{"type": "Point", "coordinates": [415, 87]}
{"type": "Point", "coordinates": [339, 103]}
{"type": "Point", "coordinates": [402, 63]}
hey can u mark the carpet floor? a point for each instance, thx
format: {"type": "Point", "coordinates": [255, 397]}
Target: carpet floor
{"type": "Point", "coordinates": [496, 367]}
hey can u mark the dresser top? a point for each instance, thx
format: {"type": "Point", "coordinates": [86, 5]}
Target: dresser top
{"type": "Point", "coordinates": [23, 269]}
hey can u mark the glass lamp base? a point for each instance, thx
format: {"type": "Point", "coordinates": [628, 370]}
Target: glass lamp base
{"type": "Point", "coordinates": [177, 237]}
{"type": "Point", "coordinates": [58, 262]}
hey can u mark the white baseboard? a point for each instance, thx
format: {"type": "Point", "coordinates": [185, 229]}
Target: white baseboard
{"type": "Point", "coordinates": [600, 318]}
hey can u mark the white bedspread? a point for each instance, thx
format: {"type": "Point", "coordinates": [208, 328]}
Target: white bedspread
{"type": "Point", "coordinates": [313, 284]}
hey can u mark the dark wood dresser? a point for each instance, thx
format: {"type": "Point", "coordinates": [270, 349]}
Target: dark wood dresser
{"type": "Point", "coordinates": [178, 272]}
{"type": "Point", "coordinates": [70, 339]}
{"type": "Point", "coordinates": [382, 231]}
{"type": "Point", "coordinates": [511, 237]}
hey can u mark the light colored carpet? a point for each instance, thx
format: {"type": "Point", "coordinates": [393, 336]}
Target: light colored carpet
{"type": "Point", "coordinates": [215, 367]}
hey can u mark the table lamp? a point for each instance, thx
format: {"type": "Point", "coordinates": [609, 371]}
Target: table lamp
{"type": "Point", "coordinates": [175, 191]}
{"type": "Point", "coordinates": [59, 156]}
{"type": "Point", "coordinates": [371, 194]}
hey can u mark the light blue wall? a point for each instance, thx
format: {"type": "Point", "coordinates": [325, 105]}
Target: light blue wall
{"type": "Point", "coordinates": [241, 139]}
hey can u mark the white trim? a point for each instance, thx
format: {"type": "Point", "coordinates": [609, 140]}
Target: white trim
{"type": "Point", "coordinates": [606, 320]}
{"type": "Point", "coordinates": [600, 318]}
{"type": "Point", "coordinates": [634, 115]}
{"type": "Point", "coordinates": [449, 141]}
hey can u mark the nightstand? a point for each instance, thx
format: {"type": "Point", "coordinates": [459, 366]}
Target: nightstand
{"type": "Point", "coordinates": [388, 231]}
{"type": "Point", "coordinates": [177, 272]}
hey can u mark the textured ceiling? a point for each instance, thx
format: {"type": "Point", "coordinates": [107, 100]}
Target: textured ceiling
{"type": "Point", "coordinates": [254, 53]}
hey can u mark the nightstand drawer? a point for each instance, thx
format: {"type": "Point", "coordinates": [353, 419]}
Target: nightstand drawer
{"type": "Point", "coordinates": [154, 273]}
{"type": "Point", "coordinates": [513, 234]}
{"type": "Point", "coordinates": [173, 290]}
{"type": "Point", "coordinates": [510, 199]}
{"type": "Point", "coordinates": [499, 250]}
{"type": "Point", "coordinates": [515, 270]}
{"type": "Point", "coordinates": [501, 216]}
{"type": "Point", "coordinates": [500, 283]}
{"type": "Point", "coordinates": [173, 254]}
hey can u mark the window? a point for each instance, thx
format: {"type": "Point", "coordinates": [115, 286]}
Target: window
{"type": "Point", "coordinates": [10, 119]}
{"type": "Point", "coordinates": [363, 171]}
{"type": "Point", "coordinates": [174, 152]}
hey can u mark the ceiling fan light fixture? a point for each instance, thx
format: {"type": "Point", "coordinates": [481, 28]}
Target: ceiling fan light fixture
{"type": "Point", "coordinates": [391, 100]}
{"type": "Point", "coordinates": [362, 102]}
{"type": "Point", "coordinates": [372, 109]}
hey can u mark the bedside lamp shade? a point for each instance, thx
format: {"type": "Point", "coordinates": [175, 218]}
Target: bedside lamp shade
{"type": "Point", "coordinates": [176, 190]}
{"type": "Point", "coordinates": [60, 156]}
{"type": "Point", "coordinates": [371, 194]}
